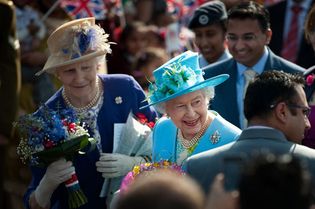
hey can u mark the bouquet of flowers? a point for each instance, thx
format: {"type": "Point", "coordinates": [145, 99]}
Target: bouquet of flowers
{"type": "Point", "coordinates": [48, 135]}
{"type": "Point", "coordinates": [146, 168]}
{"type": "Point", "coordinates": [133, 139]}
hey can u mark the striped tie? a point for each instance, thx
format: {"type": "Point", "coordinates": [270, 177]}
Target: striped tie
{"type": "Point", "coordinates": [290, 45]}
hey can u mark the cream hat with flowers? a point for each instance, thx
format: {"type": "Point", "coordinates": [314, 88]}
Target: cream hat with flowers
{"type": "Point", "coordinates": [75, 41]}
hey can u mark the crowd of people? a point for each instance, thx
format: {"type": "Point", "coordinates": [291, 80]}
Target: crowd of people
{"type": "Point", "coordinates": [220, 104]}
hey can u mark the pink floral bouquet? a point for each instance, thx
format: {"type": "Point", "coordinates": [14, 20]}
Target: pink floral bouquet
{"type": "Point", "coordinates": [48, 135]}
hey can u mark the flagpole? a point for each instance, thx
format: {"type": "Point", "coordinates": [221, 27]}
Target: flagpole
{"type": "Point", "coordinates": [51, 9]}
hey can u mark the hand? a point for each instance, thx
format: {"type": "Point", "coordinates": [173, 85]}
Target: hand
{"type": "Point", "coordinates": [115, 165]}
{"type": "Point", "coordinates": [219, 198]}
{"type": "Point", "coordinates": [56, 173]}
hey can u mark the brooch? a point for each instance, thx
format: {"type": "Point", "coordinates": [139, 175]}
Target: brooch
{"type": "Point", "coordinates": [118, 100]}
{"type": "Point", "coordinates": [215, 137]}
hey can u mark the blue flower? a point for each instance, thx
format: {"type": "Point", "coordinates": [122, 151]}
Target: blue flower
{"type": "Point", "coordinates": [84, 41]}
{"type": "Point", "coordinates": [174, 79]}
{"type": "Point", "coordinates": [44, 129]}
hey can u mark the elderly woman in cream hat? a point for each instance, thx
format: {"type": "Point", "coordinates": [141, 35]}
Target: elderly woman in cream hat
{"type": "Point", "coordinates": [181, 93]}
{"type": "Point", "coordinates": [78, 51]}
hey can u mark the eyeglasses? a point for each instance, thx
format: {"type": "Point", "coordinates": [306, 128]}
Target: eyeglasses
{"type": "Point", "coordinates": [245, 38]}
{"type": "Point", "coordinates": [306, 110]}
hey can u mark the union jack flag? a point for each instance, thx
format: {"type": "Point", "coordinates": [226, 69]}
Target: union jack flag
{"type": "Point", "coordinates": [84, 8]}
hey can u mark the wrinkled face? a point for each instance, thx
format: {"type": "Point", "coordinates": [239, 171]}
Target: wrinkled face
{"type": "Point", "coordinates": [246, 40]}
{"type": "Point", "coordinates": [211, 41]}
{"type": "Point", "coordinates": [297, 123]}
{"type": "Point", "coordinates": [188, 112]}
{"type": "Point", "coordinates": [79, 79]}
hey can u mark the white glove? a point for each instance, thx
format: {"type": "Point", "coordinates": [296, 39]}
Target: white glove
{"type": "Point", "coordinates": [115, 165]}
{"type": "Point", "coordinates": [56, 173]}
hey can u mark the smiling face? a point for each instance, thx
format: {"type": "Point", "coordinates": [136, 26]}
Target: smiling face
{"type": "Point", "coordinates": [79, 80]}
{"type": "Point", "coordinates": [210, 40]}
{"type": "Point", "coordinates": [188, 112]}
{"type": "Point", "coordinates": [246, 40]}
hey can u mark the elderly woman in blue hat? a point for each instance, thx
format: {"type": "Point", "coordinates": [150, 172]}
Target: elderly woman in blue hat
{"type": "Point", "coordinates": [181, 93]}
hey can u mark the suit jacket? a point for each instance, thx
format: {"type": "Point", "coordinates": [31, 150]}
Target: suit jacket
{"type": "Point", "coordinates": [305, 57]}
{"type": "Point", "coordinates": [205, 166]}
{"type": "Point", "coordinates": [225, 100]}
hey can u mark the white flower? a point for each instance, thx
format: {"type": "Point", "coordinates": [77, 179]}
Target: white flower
{"type": "Point", "coordinates": [118, 100]}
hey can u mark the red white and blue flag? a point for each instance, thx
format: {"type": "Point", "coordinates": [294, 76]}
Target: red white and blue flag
{"type": "Point", "coordinates": [84, 8]}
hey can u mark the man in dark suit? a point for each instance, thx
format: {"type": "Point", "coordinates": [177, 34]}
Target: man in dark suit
{"type": "Point", "coordinates": [248, 33]}
{"type": "Point", "coordinates": [277, 122]}
{"type": "Point", "coordinates": [281, 18]}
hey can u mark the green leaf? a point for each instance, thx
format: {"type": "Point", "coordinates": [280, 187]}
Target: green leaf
{"type": "Point", "coordinates": [67, 149]}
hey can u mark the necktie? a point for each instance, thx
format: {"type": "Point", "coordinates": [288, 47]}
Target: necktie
{"type": "Point", "coordinates": [249, 75]}
{"type": "Point", "coordinates": [290, 45]}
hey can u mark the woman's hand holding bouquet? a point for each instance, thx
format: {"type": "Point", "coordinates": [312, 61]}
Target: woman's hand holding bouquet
{"type": "Point", "coordinates": [56, 173]}
{"type": "Point", "coordinates": [50, 139]}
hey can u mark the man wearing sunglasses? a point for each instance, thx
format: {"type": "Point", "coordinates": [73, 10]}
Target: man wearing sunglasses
{"type": "Point", "coordinates": [277, 112]}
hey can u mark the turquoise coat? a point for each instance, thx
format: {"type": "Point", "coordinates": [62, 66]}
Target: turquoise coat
{"type": "Point", "coordinates": [220, 132]}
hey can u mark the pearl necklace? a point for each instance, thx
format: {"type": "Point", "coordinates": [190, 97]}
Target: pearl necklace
{"type": "Point", "coordinates": [187, 144]}
{"type": "Point", "coordinates": [89, 105]}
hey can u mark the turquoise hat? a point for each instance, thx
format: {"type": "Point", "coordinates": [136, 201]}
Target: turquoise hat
{"type": "Point", "coordinates": [180, 75]}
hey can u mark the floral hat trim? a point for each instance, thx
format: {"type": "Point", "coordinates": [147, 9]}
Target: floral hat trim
{"type": "Point", "coordinates": [70, 44]}
{"type": "Point", "coordinates": [86, 38]}
{"type": "Point", "coordinates": [176, 80]}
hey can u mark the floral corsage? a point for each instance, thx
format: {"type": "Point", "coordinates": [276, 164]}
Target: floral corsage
{"type": "Point", "coordinates": [146, 168]}
{"type": "Point", "coordinates": [48, 135]}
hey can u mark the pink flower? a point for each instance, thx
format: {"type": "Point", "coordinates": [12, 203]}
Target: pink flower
{"type": "Point", "coordinates": [310, 80]}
